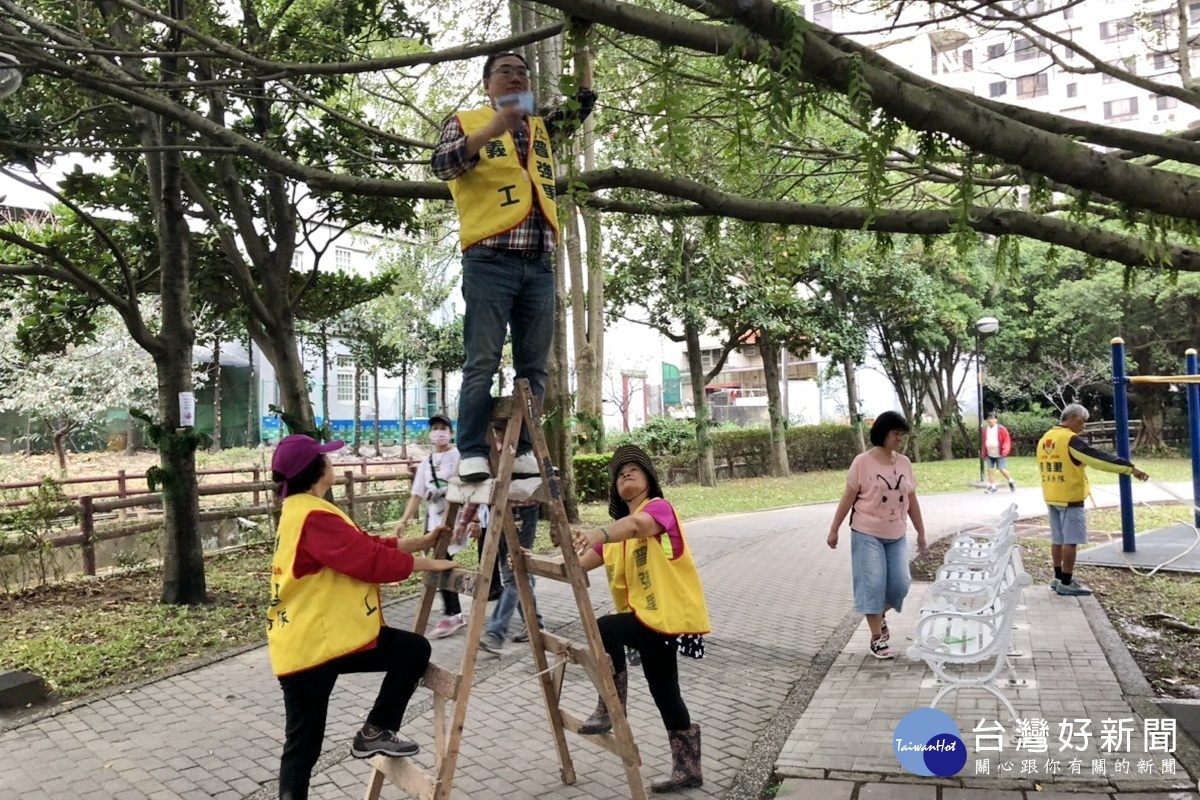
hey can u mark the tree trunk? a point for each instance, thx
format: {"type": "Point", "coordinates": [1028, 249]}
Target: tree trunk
{"type": "Point", "coordinates": [404, 411]}
{"type": "Point", "coordinates": [442, 404]}
{"type": "Point", "coordinates": [216, 434]}
{"type": "Point", "coordinates": [281, 348]}
{"type": "Point", "coordinates": [557, 406]}
{"type": "Point", "coordinates": [779, 454]}
{"type": "Point", "coordinates": [183, 555]}
{"type": "Point", "coordinates": [851, 371]}
{"type": "Point", "coordinates": [375, 385]}
{"type": "Point", "coordinates": [131, 432]}
{"type": "Point", "coordinates": [57, 435]}
{"type": "Point", "coordinates": [357, 407]}
{"type": "Point", "coordinates": [251, 407]}
{"type": "Point", "coordinates": [324, 334]}
{"type": "Point", "coordinates": [706, 468]}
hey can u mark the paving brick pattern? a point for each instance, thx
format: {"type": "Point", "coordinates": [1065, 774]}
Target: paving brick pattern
{"type": "Point", "coordinates": [776, 594]}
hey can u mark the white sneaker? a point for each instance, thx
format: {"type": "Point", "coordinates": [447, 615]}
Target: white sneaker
{"type": "Point", "coordinates": [474, 469]}
{"type": "Point", "coordinates": [526, 464]}
{"type": "Point", "coordinates": [448, 626]}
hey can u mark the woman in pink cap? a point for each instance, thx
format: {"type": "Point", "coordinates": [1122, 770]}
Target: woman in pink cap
{"type": "Point", "coordinates": [325, 617]}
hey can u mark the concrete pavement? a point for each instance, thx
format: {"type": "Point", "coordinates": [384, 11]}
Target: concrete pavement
{"type": "Point", "coordinates": [787, 687]}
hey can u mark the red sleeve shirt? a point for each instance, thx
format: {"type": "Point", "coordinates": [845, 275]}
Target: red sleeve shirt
{"type": "Point", "coordinates": [326, 540]}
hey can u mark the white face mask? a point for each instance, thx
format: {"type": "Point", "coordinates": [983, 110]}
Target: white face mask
{"type": "Point", "coordinates": [439, 438]}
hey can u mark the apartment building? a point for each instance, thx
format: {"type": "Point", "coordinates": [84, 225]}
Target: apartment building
{"type": "Point", "coordinates": [999, 56]}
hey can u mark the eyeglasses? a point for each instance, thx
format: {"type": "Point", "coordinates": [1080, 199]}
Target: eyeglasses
{"type": "Point", "coordinates": [509, 72]}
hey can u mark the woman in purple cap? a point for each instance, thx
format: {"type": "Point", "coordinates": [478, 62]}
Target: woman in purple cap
{"type": "Point", "coordinates": [325, 616]}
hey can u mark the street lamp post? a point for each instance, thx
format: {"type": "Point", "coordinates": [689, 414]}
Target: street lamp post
{"type": "Point", "coordinates": [984, 326]}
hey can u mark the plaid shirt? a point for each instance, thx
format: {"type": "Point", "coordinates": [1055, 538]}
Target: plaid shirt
{"type": "Point", "coordinates": [450, 161]}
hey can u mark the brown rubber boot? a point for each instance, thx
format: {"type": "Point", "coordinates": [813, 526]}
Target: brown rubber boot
{"type": "Point", "coordinates": [685, 757]}
{"type": "Point", "coordinates": [600, 721]}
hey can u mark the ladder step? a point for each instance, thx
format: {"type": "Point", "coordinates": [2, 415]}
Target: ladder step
{"type": "Point", "coordinates": [606, 740]}
{"type": "Point", "coordinates": [442, 681]}
{"type": "Point", "coordinates": [408, 776]}
{"type": "Point", "coordinates": [504, 407]}
{"type": "Point", "coordinates": [546, 567]}
{"type": "Point", "coordinates": [519, 490]}
{"type": "Point", "coordinates": [572, 652]}
{"type": "Point", "coordinates": [458, 580]}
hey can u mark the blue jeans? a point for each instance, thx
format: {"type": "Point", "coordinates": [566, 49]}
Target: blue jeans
{"type": "Point", "coordinates": [509, 598]}
{"type": "Point", "coordinates": [880, 569]}
{"type": "Point", "coordinates": [502, 288]}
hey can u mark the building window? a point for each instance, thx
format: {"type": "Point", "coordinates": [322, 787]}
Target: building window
{"type": "Point", "coordinates": [364, 385]}
{"type": "Point", "coordinates": [1072, 90]}
{"type": "Point", "coordinates": [341, 258]}
{"type": "Point", "coordinates": [1161, 61]}
{"type": "Point", "coordinates": [1121, 110]}
{"type": "Point", "coordinates": [823, 14]}
{"type": "Point", "coordinates": [968, 61]}
{"type": "Point", "coordinates": [1033, 85]}
{"type": "Point", "coordinates": [1116, 30]}
{"type": "Point", "coordinates": [998, 89]}
{"type": "Point", "coordinates": [297, 260]}
{"type": "Point", "coordinates": [708, 358]}
{"type": "Point", "coordinates": [1194, 13]}
{"type": "Point", "coordinates": [1026, 49]}
{"type": "Point", "coordinates": [995, 51]}
{"type": "Point", "coordinates": [345, 379]}
{"type": "Point", "coordinates": [1164, 102]}
{"type": "Point", "coordinates": [1159, 21]}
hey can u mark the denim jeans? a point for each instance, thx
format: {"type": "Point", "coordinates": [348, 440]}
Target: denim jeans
{"type": "Point", "coordinates": [509, 599]}
{"type": "Point", "coordinates": [502, 288]}
{"type": "Point", "coordinates": [880, 572]}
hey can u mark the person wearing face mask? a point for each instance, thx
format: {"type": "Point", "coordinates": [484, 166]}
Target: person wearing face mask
{"type": "Point", "coordinates": [499, 162]}
{"type": "Point", "coordinates": [429, 487]}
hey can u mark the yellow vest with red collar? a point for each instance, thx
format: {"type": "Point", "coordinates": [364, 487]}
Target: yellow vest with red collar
{"type": "Point", "coordinates": [319, 617]}
{"type": "Point", "coordinates": [498, 194]}
{"type": "Point", "coordinates": [1063, 481]}
{"type": "Point", "coordinates": [663, 592]}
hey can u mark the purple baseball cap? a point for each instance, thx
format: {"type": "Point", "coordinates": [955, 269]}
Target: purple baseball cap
{"type": "Point", "coordinates": [297, 451]}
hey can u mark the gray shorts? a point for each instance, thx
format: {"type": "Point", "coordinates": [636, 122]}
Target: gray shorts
{"type": "Point", "coordinates": [1068, 525]}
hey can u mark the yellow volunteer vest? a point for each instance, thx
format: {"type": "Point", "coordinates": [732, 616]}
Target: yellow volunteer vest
{"type": "Point", "coordinates": [1063, 481]}
{"type": "Point", "coordinates": [319, 617]}
{"type": "Point", "coordinates": [664, 593]}
{"type": "Point", "coordinates": [498, 194]}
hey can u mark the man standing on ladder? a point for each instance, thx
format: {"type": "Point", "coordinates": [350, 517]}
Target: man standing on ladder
{"type": "Point", "coordinates": [500, 165]}
{"type": "Point", "coordinates": [1063, 456]}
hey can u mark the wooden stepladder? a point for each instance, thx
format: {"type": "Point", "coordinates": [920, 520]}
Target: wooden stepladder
{"type": "Point", "coordinates": [452, 691]}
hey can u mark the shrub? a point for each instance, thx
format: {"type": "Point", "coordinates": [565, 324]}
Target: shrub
{"type": "Point", "coordinates": [816, 447]}
{"type": "Point", "coordinates": [591, 476]}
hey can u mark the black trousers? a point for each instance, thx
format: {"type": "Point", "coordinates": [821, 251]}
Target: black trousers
{"type": "Point", "coordinates": [402, 655]}
{"type": "Point", "coordinates": [659, 663]}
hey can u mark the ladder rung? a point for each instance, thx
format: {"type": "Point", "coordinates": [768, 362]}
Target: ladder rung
{"type": "Point", "coordinates": [543, 567]}
{"type": "Point", "coordinates": [572, 652]}
{"type": "Point", "coordinates": [504, 407]}
{"type": "Point", "coordinates": [442, 681]}
{"type": "Point", "coordinates": [408, 776]}
{"type": "Point", "coordinates": [457, 580]}
{"type": "Point", "coordinates": [605, 740]}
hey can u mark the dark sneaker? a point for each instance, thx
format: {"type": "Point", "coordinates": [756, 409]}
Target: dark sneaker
{"type": "Point", "coordinates": [522, 635]}
{"type": "Point", "coordinates": [880, 649]}
{"type": "Point", "coordinates": [1012, 487]}
{"type": "Point", "coordinates": [1072, 589]}
{"type": "Point", "coordinates": [384, 743]}
{"type": "Point", "coordinates": [492, 643]}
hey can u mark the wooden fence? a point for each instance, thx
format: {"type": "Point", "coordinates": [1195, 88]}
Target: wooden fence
{"type": "Point", "coordinates": [102, 516]}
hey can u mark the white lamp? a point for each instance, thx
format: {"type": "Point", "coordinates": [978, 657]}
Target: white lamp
{"type": "Point", "coordinates": [987, 325]}
{"type": "Point", "coordinates": [10, 75]}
